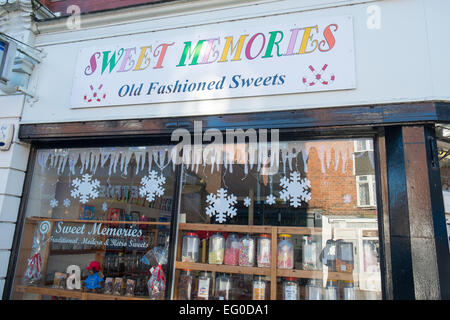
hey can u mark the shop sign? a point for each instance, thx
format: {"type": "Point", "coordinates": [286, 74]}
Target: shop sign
{"type": "Point", "coordinates": [229, 60]}
{"type": "Point", "coordinates": [97, 234]}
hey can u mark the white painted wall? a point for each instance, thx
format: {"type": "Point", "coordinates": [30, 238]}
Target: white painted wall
{"type": "Point", "coordinates": [13, 165]}
{"type": "Point", "coordinates": [402, 61]}
{"type": "Point", "coordinates": [17, 23]}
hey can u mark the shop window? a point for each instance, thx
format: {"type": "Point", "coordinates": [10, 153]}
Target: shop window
{"type": "Point", "coordinates": [303, 214]}
{"type": "Point", "coordinates": [98, 220]}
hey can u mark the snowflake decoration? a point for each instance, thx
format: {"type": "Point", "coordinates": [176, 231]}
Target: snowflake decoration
{"type": "Point", "coordinates": [270, 199]}
{"type": "Point", "coordinates": [347, 198]}
{"type": "Point", "coordinates": [247, 201]}
{"type": "Point", "coordinates": [221, 205]}
{"type": "Point", "coordinates": [152, 186]}
{"type": "Point", "coordinates": [53, 203]}
{"type": "Point", "coordinates": [66, 203]}
{"type": "Point", "coordinates": [104, 207]}
{"type": "Point", "coordinates": [295, 189]}
{"type": "Point", "coordinates": [85, 188]}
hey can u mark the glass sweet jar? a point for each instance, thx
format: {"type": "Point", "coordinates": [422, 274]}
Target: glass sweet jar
{"type": "Point", "coordinates": [204, 286]}
{"type": "Point", "coordinates": [247, 251]}
{"type": "Point", "coordinates": [313, 290]}
{"type": "Point", "coordinates": [310, 253]}
{"type": "Point", "coordinates": [190, 247]}
{"type": "Point", "coordinates": [185, 285]}
{"type": "Point", "coordinates": [216, 249]}
{"type": "Point", "coordinates": [223, 287]}
{"type": "Point", "coordinates": [263, 251]}
{"type": "Point", "coordinates": [290, 289]}
{"type": "Point", "coordinates": [259, 288]}
{"type": "Point", "coordinates": [232, 250]}
{"type": "Point", "coordinates": [285, 252]}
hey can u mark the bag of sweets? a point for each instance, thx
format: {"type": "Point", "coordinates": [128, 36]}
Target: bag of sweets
{"type": "Point", "coordinates": [157, 257]}
{"type": "Point", "coordinates": [33, 271]}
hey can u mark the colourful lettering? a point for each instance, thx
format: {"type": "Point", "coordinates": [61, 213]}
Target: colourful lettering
{"type": "Point", "coordinates": [90, 69]}
{"type": "Point", "coordinates": [127, 60]}
{"type": "Point", "coordinates": [187, 52]}
{"type": "Point", "coordinates": [306, 38]}
{"type": "Point", "coordinates": [209, 48]}
{"type": "Point", "coordinates": [329, 38]}
{"type": "Point", "coordinates": [237, 48]}
{"type": "Point", "coordinates": [112, 61]}
{"type": "Point", "coordinates": [143, 55]}
{"type": "Point", "coordinates": [249, 46]}
{"type": "Point", "coordinates": [161, 54]}
{"type": "Point", "coordinates": [207, 51]}
{"type": "Point", "coordinates": [272, 42]}
{"type": "Point", "coordinates": [292, 41]}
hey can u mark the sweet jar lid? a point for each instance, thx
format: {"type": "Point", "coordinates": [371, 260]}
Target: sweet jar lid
{"type": "Point", "coordinates": [291, 279]}
{"type": "Point", "coordinates": [192, 234]}
{"type": "Point", "coordinates": [285, 235]}
{"type": "Point", "coordinates": [264, 235]}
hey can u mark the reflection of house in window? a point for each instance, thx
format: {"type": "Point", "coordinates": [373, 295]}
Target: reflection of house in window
{"type": "Point", "coordinates": [366, 191]}
{"type": "Point", "coordinates": [364, 171]}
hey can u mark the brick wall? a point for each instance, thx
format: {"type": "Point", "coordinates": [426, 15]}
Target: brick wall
{"type": "Point", "coordinates": [92, 5]}
{"type": "Point", "coordinates": [335, 190]}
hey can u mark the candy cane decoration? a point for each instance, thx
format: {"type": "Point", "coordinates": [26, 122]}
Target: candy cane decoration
{"type": "Point", "coordinates": [34, 267]}
{"type": "Point", "coordinates": [44, 227]}
{"type": "Point", "coordinates": [318, 77]}
{"type": "Point", "coordinates": [95, 96]}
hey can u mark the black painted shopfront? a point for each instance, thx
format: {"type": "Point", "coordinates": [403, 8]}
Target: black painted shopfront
{"type": "Point", "coordinates": [396, 212]}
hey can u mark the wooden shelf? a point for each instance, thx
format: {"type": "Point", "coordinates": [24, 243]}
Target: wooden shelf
{"type": "Point", "coordinates": [224, 228]}
{"type": "Point", "coordinates": [314, 274]}
{"type": "Point", "coordinates": [78, 251]}
{"type": "Point", "coordinates": [300, 230]}
{"type": "Point", "coordinates": [222, 268]}
{"type": "Point", "coordinates": [76, 294]}
{"type": "Point", "coordinates": [273, 271]}
{"type": "Point", "coordinates": [247, 228]}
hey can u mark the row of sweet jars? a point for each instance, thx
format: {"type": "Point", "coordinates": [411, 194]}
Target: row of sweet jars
{"type": "Point", "coordinates": [243, 251]}
{"type": "Point", "coordinates": [227, 287]}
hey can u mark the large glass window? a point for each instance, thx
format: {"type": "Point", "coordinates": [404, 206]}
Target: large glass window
{"type": "Point", "coordinates": [296, 223]}
{"type": "Point", "coordinates": [98, 216]}
{"type": "Point", "coordinates": [255, 220]}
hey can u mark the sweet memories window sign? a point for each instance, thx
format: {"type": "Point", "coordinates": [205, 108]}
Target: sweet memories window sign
{"type": "Point", "coordinates": [98, 234]}
{"type": "Point", "coordinates": [235, 59]}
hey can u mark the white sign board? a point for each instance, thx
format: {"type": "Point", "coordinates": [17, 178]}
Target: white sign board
{"type": "Point", "coordinates": [235, 59]}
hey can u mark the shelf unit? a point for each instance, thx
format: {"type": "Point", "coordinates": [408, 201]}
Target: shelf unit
{"type": "Point", "coordinates": [273, 272]}
{"type": "Point", "coordinates": [32, 222]}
